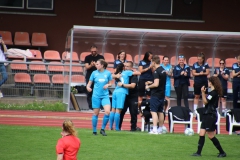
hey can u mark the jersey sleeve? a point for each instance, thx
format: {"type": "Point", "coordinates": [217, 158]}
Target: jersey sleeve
{"type": "Point", "coordinates": [115, 64]}
{"type": "Point", "coordinates": [92, 77]}
{"type": "Point", "coordinates": [211, 95]}
{"type": "Point", "coordinates": [140, 63]}
{"type": "Point", "coordinates": [129, 73]}
{"type": "Point", "coordinates": [207, 66]}
{"type": "Point", "coordinates": [193, 67]}
{"type": "Point", "coordinates": [134, 79]}
{"type": "Point", "coordinates": [87, 60]}
{"type": "Point", "coordinates": [227, 72]}
{"type": "Point", "coordinates": [60, 147]}
{"type": "Point", "coordinates": [109, 76]}
{"type": "Point", "coordinates": [156, 75]}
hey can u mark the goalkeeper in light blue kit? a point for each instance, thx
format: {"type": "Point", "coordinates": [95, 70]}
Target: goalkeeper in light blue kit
{"type": "Point", "coordinates": [102, 80]}
{"type": "Point", "coordinates": [119, 94]}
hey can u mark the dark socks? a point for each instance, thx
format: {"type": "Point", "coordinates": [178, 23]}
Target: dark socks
{"type": "Point", "coordinates": [201, 142]}
{"type": "Point", "coordinates": [217, 144]}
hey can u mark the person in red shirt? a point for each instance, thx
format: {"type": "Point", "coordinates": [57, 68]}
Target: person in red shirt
{"type": "Point", "coordinates": [67, 147]}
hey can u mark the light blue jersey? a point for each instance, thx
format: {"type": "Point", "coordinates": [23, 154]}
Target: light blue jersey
{"type": "Point", "coordinates": [125, 80]}
{"type": "Point", "coordinates": [167, 68]}
{"type": "Point", "coordinates": [100, 79]}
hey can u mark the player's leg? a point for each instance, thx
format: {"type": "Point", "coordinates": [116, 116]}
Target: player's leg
{"type": "Point", "coordinates": [96, 102]}
{"type": "Point", "coordinates": [120, 104]}
{"type": "Point", "coordinates": [106, 106]}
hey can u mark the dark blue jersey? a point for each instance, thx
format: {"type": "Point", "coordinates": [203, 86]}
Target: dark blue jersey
{"type": "Point", "coordinates": [148, 74]}
{"type": "Point", "coordinates": [203, 78]}
{"type": "Point", "coordinates": [118, 62]}
{"type": "Point", "coordinates": [219, 72]}
{"type": "Point", "coordinates": [236, 68]}
{"type": "Point", "coordinates": [181, 79]}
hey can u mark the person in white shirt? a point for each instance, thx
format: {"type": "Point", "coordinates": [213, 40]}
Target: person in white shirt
{"type": "Point", "coordinates": [3, 49]}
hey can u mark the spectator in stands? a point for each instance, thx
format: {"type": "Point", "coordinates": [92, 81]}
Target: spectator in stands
{"type": "Point", "coordinates": [210, 116]}
{"type": "Point", "coordinates": [90, 61]}
{"type": "Point", "coordinates": [121, 59]}
{"type": "Point", "coordinates": [200, 71]}
{"type": "Point", "coordinates": [145, 68]}
{"type": "Point", "coordinates": [3, 50]}
{"type": "Point", "coordinates": [181, 74]}
{"type": "Point", "coordinates": [119, 94]}
{"type": "Point", "coordinates": [236, 82]}
{"type": "Point", "coordinates": [223, 74]}
{"type": "Point", "coordinates": [131, 99]}
{"type": "Point", "coordinates": [67, 147]}
{"type": "Point", "coordinates": [168, 68]}
{"type": "Point", "coordinates": [102, 81]}
{"type": "Point", "coordinates": [157, 95]}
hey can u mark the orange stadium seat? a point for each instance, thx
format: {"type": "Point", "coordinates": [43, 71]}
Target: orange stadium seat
{"type": "Point", "coordinates": [57, 79]}
{"type": "Point", "coordinates": [22, 39]}
{"type": "Point", "coordinates": [7, 37]}
{"type": "Point", "coordinates": [37, 67]}
{"type": "Point", "coordinates": [75, 69]}
{"type": "Point", "coordinates": [15, 67]}
{"type": "Point", "coordinates": [230, 61]}
{"type": "Point", "coordinates": [83, 55]}
{"type": "Point", "coordinates": [109, 58]}
{"type": "Point", "coordinates": [41, 79]}
{"type": "Point", "coordinates": [39, 39]}
{"type": "Point", "coordinates": [37, 55]}
{"type": "Point", "coordinates": [192, 60]}
{"type": "Point", "coordinates": [65, 56]}
{"type": "Point", "coordinates": [137, 59]}
{"type": "Point", "coordinates": [51, 55]}
{"type": "Point", "coordinates": [22, 78]}
{"type": "Point", "coordinates": [75, 79]}
{"type": "Point", "coordinates": [216, 62]}
{"type": "Point", "coordinates": [129, 57]}
{"type": "Point", "coordinates": [55, 68]}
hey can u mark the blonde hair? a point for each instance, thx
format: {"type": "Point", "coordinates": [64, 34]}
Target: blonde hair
{"type": "Point", "coordinates": [69, 127]}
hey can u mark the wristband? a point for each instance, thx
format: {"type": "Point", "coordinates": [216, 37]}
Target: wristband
{"type": "Point", "coordinates": [122, 85]}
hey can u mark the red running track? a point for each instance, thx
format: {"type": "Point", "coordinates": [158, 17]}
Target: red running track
{"type": "Point", "coordinates": [80, 119]}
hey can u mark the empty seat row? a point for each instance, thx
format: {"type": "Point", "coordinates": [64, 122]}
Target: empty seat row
{"type": "Point", "coordinates": [24, 79]}
{"type": "Point", "coordinates": [39, 66]}
{"type": "Point", "coordinates": [23, 39]}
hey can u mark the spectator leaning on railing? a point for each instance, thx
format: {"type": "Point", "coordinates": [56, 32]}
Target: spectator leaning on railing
{"type": "Point", "coordinates": [3, 49]}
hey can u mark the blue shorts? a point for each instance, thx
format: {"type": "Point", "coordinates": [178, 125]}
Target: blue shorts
{"type": "Point", "coordinates": [168, 91]}
{"type": "Point", "coordinates": [156, 104]}
{"type": "Point", "coordinates": [98, 102]}
{"type": "Point", "coordinates": [118, 100]}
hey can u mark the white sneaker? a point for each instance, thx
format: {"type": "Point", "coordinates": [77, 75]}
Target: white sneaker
{"type": "Point", "coordinates": [152, 132]}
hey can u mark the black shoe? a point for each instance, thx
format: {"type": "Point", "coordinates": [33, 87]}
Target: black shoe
{"type": "Point", "coordinates": [196, 155]}
{"type": "Point", "coordinates": [138, 129]}
{"type": "Point", "coordinates": [103, 132]}
{"type": "Point", "coordinates": [222, 155]}
{"type": "Point", "coordinates": [94, 133]}
{"type": "Point", "coordinates": [133, 130]}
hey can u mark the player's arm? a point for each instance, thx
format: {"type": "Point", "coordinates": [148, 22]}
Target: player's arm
{"type": "Point", "coordinates": [226, 75]}
{"type": "Point", "coordinates": [107, 85]}
{"type": "Point", "coordinates": [154, 84]}
{"type": "Point", "coordinates": [141, 70]}
{"type": "Point", "coordinates": [207, 72]}
{"type": "Point", "coordinates": [194, 73]}
{"type": "Point", "coordinates": [59, 156]}
{"type": "Point", "coordinates": [234, 74]}
{"type": "Point", "coordinates": [116, 75]}
{"type": "Point", "coordinates": [130, 86]}
{"type": "Point", "coordinates": [88, 87]}
{"type": "Point", "coordinates": [204, 99]}
{"type": "Point", "coordinates": [136, 73]}
{"type": "Point", "coordinates": [89, 66]}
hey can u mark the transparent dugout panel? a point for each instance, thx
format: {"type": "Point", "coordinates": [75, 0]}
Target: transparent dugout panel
{"type": "Point", "coordinates": [135, 42]}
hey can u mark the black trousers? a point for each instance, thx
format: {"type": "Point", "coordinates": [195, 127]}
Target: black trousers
{"type": "Point", "coordinates": [182, 91]}
{"type": "Point", "coordinates": [236, 89]}
{"type": "Point", "coordinates": [131, 103]}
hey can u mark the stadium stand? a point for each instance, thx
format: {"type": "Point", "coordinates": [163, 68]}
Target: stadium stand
{"type": "Point", "coordinates": [216, 62]}
{"type": "Point", "coordinates": [22, 79]}
{"type": "Point", "coordinates": [15, 67]}
{"type": "Point", "coordinates": [51, 55]}
{"type": "Point", "coordinates": [229, 62]}
{"type": "Point", "coordinates": [39, 39]}
{"type": "Point", "coordinates": [37, 67]}
{"type": "Point", "coordinates": [41, 80]}
{"type": "Point", "coordinates": [55, 69]}
{"type": "Point", "coordinates": [75, 69]}
{"type": "Point", "coordinates": [7, 37]}
{"type": "Point", "coordinates": [137, 59]}
{"type": "Point", "coordinates": [66, 56]}
{"type": "Point", "coordinates": [83, 55]}
{"type": "Point", "coordinates": [22, 39]}
{"type": "Point", "coordinates": [37, 55]}
{"type": "Point", "coordinates": [192, 60]}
